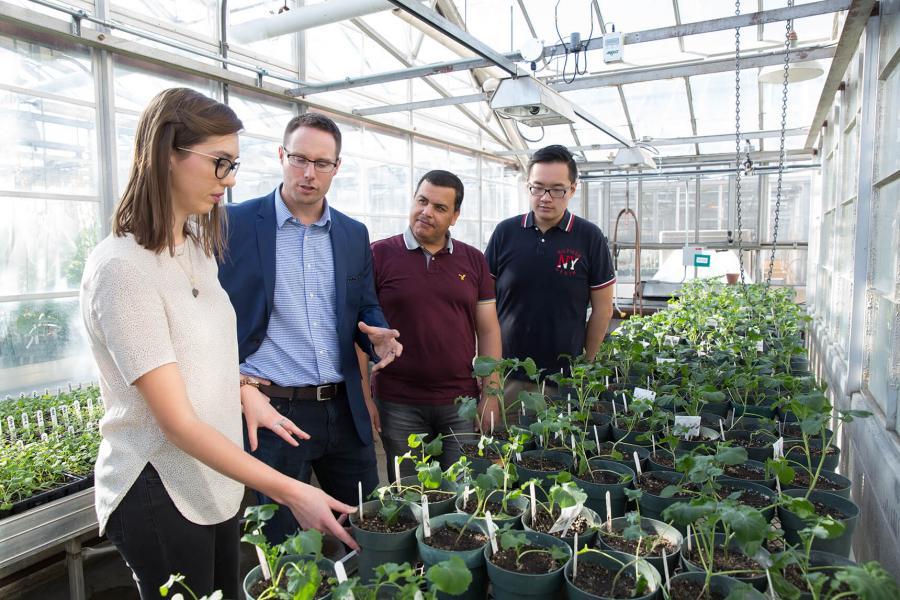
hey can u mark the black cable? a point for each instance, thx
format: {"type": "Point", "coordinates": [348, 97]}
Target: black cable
{"type": "Point", "coordinates": [543, 132]}
{"type": "Point", "coordinates": [563, 44]}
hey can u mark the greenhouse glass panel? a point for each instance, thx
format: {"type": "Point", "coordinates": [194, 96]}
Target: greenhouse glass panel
{"type": "Point", "coordinates": [282, 47]}
{"type": "Point", "coordinates": [793, 222]}
{"type": "Point", "coordinates": [385, 227]}
{"type": "Point", "coordinates": [388, 188]}
{"type": "Point", "coordinates": [659, 108]}
{"type": "Point", "coordinates": [60, 70]}
{"type": "Point", "coordinates": [136, 83]}
{"type": "Point", "coordinates": [260, 169]}
{"type": "Point", "coordinates": [198, 16]}
{"type": "Point", "coordinates": [663, 209]}
{"type": "Point", "coordinates": [889, 132]}
{"type": "Point", "coordinates": [346, 188]}
{"type": "Point", "coordinates": [713, 96]}
{"type": "Point", "coordinates": [803, 96]}
{"type": "Point", "coordinates": [881, 382]}
{"type": "Point", "coordinates": [428, 156]}
{"type": "Point", "coordinates": [467, 231]}
{"type": "Point", "coordinates": [261, 115]}
{"type": "Point", "coordinates": [886, 240]}
{"type": "Point", "coordinates": [44, 243]}
{"type": "Point", "coordinates": [42, 344]}
{"type": "Point", "coordinates": [386, 146]}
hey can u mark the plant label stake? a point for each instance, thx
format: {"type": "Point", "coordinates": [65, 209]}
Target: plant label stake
{"type": "Point", "coordinates": [518, 457]}
{"type": "Point", "coordinates": [606, 380]}
{"type": "Point", "coordinates": [466, 492]}
{"type": "Point", "coordinates": [65, 411]}
{"type": "Point", "coordinates": [39, 417]}
{"type": "Point", "coordinates": [637, 463]}
{"type": "Point", "coordinates": [608, 512]}
{"type": "Point", "coordinates": [760, 346]}
{"type": "Point", "coordinates": [574, 458]}
{"type": "Point", "coordinates": [492, 422]}
{"type": "Point", "coordinates": [533, 501]}
{"type": "Point", "coordinates": [76, 406]}
{"type": "Point", "coordinates": [689, 539]}
{"type": "Point", "coordinates": [690, 426]}
{"type": "Point", "coordinates": [597, 440]}
{"type": "Point", "coordinates": [653, 442]}
{"type": "Point", "coordinates": [53, 418]}
{"type": "Point", "coordinates": [624, 403]}
{"type": "Point", "coordinates": [11, 425]}
{"type": "Point", "coordinates": [732, 420]}
{"type": "Point", "coordinates": [771, 589]}
{"type": "Point", "coordinates": [263, 564]}
{"type": "Point", "coordinates": [359, 487]}
{"type": "Point", "coordinates": [541, 440]}
{"type": "Point", "coordinates": [426, 525]}
{"type": "Point", "coordinates": [722, 428]}
{"type": "Point", "coordinates": [637, 552]}
{"type": "Point", "coordinates": [543, 387]}
{"type": "Point", "coordinates": [340, 572]}
{"type": "Point", "coordinates": [492, 531]}
{"type": "Point", "coordinates": [665, 567]}
{"type": "Point", "coordinates": [615, 420]}
{"type": "Point", "coordinates": [397, 473]}
{"type": "Point", "coordinates": [25, 424]}
{"type": "Point", "coordinates": [71, 430]}
{"type": "Point", "coordinates": [522, 407]}
{"type": "Point", "coordinates": [505, 480]}
{"type": "Point", "coordinates": [569, 405]}
{"type": "Point", "coordinates": [778, 448]}
{"type": "Point", "coordinates": [575, 558]}
{"type": "Point", "coordinates": [44, 437]}
{"type": "Point", "coordinates": [643, 394]}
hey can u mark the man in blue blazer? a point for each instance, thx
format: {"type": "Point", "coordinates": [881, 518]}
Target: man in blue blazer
{"type": "Point", "coordinates": [299, 274]}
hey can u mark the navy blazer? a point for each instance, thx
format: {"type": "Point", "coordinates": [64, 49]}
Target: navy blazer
{"type": "Point", "coordinates": [247, 272]}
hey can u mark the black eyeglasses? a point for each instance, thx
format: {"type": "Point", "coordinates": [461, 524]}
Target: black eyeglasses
{"type": "Point", "coordinates": [538, 192]}
{"type": "Point", "coordinates": [223, 165]}
{"type": "Point", "coordinates": [299, 161]}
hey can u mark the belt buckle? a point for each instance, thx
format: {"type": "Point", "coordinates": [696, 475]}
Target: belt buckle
{"type": "Point", "coordinates": [319, 389]}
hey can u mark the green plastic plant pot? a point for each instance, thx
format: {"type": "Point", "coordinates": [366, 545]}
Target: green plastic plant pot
{"type": "Point", "coordinates": [626, 450]}
{"type": "Point", "coordinates": [837, 479]}
{"type": "Point", "coordinates": [326, 568]}
{"type": "Point", "coordinates": [758, 453]}
{"type": "Point", "coordinates": [509, 585]}
{"type": "Point", "coordinates": [436, 508]}
{"type": "Point", "coordinates": [758, 581]}
{"type": "Point", "coordinates": [819, 561]}
{"type": "Point", "coordinates": [794, 451]}
{"type": "Point", "coordinates": [520, 505]}
{"type": "Point", "coordinates": [586, 538]}
{"type": "Point", "coordinates": [378, 548]}
{"type": "Point", "coordinates": [758, 467]}
{"type": "Point", "coordinates": [653, 506]}
{"type": "Point", "coordinates": [767, 513]}
{"type": "Point", "coordinates": [602, 421]}
{"type": "Point", "coordinates": [765, 409]}
{"type": "Point", "coordinates": [474, 559]}
{"type": "Point", "coordinates": [543, 476]}
{"type": "Point", "coordinates": [652, 465]}
{"type": "Point", "coordinates": [708, 437]}
{"type": "Point", "coordinates": [840, 545]}
{"type": "Point", "coordinates": [614, 561]}
{"type": "Point", "coordinates": [629, 437]}
{"type": "Point", "coordinates": [596, 492]}
{"type": "Point", "coordinates": [652, 527]}
{"type": "Point", "coordinates": [716, 408]}
{"type": "Point", "coordinates": [719, 585]}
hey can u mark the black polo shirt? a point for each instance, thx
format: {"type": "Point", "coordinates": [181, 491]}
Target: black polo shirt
{"type": "Point", "coordinates": [544, 283]}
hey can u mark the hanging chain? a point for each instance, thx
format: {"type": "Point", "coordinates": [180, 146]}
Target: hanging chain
{"type": "Point", "coordinates": [737, 137]}
{"type": "Point", "coordinates": [788, 37]}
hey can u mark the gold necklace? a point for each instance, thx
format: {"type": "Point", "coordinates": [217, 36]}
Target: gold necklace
{"type": "Point", "coordinates": [190, 275]}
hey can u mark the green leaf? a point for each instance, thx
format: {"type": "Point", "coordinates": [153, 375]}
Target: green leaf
{"type": "Point", "coordinates": [687, 513]}
{"type": "Point", "coordinates": [731, 455]}
{"type": "Point", "coordinates": [468, 408]}
{"type": "Point", "coordinates": [450, 576]}
{"type": "Point", "coordinates": [435, 447]}
{"type": "Point", "coordinates": [304, 542]}
{"type": "Point", "coordinates": [748, 524]}
{"type": "Point", "coordinates": [430, 475]}
{"type": "Point", "coordinates": [512, 539]}
{"type": "Point", "coordinates": [532, 401]}
{"type": "Point", "coordinates": [484, 366]}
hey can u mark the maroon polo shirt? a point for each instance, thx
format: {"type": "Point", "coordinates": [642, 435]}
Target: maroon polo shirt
{"type": "Point", "coordinates": [431, 301]}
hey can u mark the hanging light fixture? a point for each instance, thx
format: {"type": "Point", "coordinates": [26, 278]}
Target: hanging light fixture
{"type": "Point", "coordinates": [799, 71]}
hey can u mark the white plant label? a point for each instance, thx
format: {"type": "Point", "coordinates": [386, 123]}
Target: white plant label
{"type": "Point", "coordinates": [263, 564]}
{"type": "Point", "coordinates": [665, 567]}
{"type": "Point", "coordinates": [65, 411]}
{"type": "Point", "coordinates": [340, 572]}
{"type": "Point", "coordinates": [518, 457]}
{"type": "Point", "coordinates": [397, 473]}
{"type": "Point", "coordinates": [533, 501]}
{"type": "Point", "coordinates": [76, 406]}
{"type": "Point", "coordinates": [11, 426]}
{"type": "Point", "coordinates": [492, 423]}
{"type": "Point", "coordinates": [711, 322]}
{"type": "Point", "coordinates": [575, 558]}
{"type": "Point", "coordinates": [722, 428]}
{"type": "Point", "coordinates": [90, 404]}
{"type": "Point", "coordinates": [661, 360]}
{"type": "Point", "coordinates": [688, 427]}
{"type": "Point", "coordinates": [597, 439]}
{"type": "Point", "coordinates": [426, 518]}
{"type": "Point", "coordinates": [466, 492]}
{"type": "Point", "coordinates": [39, 417]}
{"type": "Point", "coordinates": [645, 394]}
{"type": "Point", "coordinates": [624, 403]}
{"type": "Point", "coordinates": [492, 531]}
{"type": "Point", "coordinates": [566, 517]}
{"type": "Point", "coordinates": [760, 346]}
{"type": "Point", "coordinates": [44, 437]}
{"type": "Point", "coordinates": [608, 511]}
{"type": "Point", "coordinates": [25, 423]}
{"type": "Point", "coordinates": [71, 430]}
{"type": "Point", "coordinates": [53, 418]}
{"type": "Point", "coordinates": [778, 448]}
{"type": "Point", "coordinates": [359, 487]}
{"type": "Point", "coordinates": [671, 340]}
{"type": "Point", "coordinates": [637, 463]}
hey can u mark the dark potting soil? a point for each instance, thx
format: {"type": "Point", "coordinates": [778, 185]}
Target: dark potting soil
{"type": "Point", "coordinates": [651, 545]}
{"type": "Point", "coordinates": [543, 522]}
{"type": "Point", "coordinates": [600, 581]}
{"type": "Point", "coordinates": [262, 585]}
{"type": "Point", "coordinates": [496, 508]}
{"type": "Point", "coordinates": [732, 561]}
{"type": "Point", "coordinates": [745, 472]}
{"type": "Point", "coordinates": [752, 442]}
{"type": "Point", "coordinates": [545, 465]}
{"type": "Point", "coordinates": [822, 510]}
{"type": "Point", "coordinates": [654, 485]}
{"type": "Point", "coordinates": [801, 479]}
{"type": "Point", "coordinates": [794, 574]}
{"type": "Point", "coordinates": [438, 495]}
{"type": "Point", "coordinates": [453, 537]}
{"type": "Point", "coordinates": [534, 563]}
{"type": "Point", "coordinates": [748, 497]}
{"type": "Point", "coordinates": [666, 460]}
{"type": "Point", "coordinates": [471, 451]}
{"type": "Point", "coordinates": [601, 476]}
{"type": "Point", "coordinates": [813, 451]}
{"type": "Point", "coordinates": [377, 524]}
{"type": "Point", "coordinates": [691, 590]}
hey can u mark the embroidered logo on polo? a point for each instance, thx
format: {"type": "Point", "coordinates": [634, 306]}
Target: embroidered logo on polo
{"type": "Point", "coordinates": [462, 276]}
{"type": "Point", "coordinates": [566, 261]}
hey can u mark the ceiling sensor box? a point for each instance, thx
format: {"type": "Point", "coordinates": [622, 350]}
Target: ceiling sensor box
{"type": "Point", "coordinates": [612, 47]}
{"type": "Point", "coordinates": [529, 101]}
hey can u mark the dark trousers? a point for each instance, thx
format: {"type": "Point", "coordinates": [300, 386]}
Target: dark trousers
{"type": "Point", "coordinates": [399, 420]}
{"type": "Point", "coordinates": [157, 541]}
{"type": "Point", "coordinates": [334, 452]}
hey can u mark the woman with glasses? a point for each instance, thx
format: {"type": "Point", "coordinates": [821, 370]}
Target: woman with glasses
{"type": "Point", "coordinates": [169, 475]}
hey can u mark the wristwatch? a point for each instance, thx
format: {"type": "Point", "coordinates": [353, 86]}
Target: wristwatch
{"type": "Point", "coordinates": [251, 381]}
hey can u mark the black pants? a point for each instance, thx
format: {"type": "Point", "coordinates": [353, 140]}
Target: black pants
{"type": "Point", "coordinates": [334, 452]}
{"type": "Point", "coordinates": [157, 541]}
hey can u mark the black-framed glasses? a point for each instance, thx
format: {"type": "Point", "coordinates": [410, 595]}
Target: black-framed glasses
{"type": "Point", "coordinates": [223, 165]}
{"type": "Point", "coordinates": [298, 161]}
{"type": "Point", "coordinates": [538, 192]}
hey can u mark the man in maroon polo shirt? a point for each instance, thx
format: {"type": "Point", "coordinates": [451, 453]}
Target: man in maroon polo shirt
{"type": "Point", "coordinates": [440, 294]}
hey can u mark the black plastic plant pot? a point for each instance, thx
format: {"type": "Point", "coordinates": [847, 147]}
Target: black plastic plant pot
{"type": "Point", "coordinates": [716, 408]}
{"type": "Point", "coordinates": [794, 451]}
{"type": "Point", "coordinates": [792, 524]}
{"type": "Point", "coordinates": [758, 470]}
{"type": "Point", "coordinates": [793, 431]}
{"type": "Point", "coordinates": [652, 506]}
{"type": "Point", "coordinates": [656, 462]}
{"type": "Point", "coordinates": [596, 492]}
{"type": "Point", "coordinates": [602, 422]}
{"type": "Point", "coordinates": [720, 586]}
{"type": "Point", "coordinates": [626, 450]}
{"type": "Point", "coordinates": [837, 484]}
{"type": "Point", "coordinates": [525, 473]}
{"type": "Point", "coordinates": [479, 464]}
{"type": "Point", "coordinates": [748, 423]}
{"type": "Point", "coordinates": [584, 539]}
{"type": "Point", "coordinates": [650, 527]}
{"type": "Point", "coordinates": [326, 568]}
{"type": "Point", "coordinates": [819, 562]}
{"type": "Point", "coordinates": [757, 444]}
{"type": "Point", "coordinates": [518, 506]}
{"type": "Point", "coordinates": [615, 562]}
{"type": "Point", "coordinates": [510, 585]}
{"type": "Point", "coordinates": [378, 548]}
{"type": "Point", "coordinates": [707, 437]}
{"type": "Point", "coordinates": [440, 507]}
{"type": "Point", "coordinates": [758, 581]}
{"type": "Point", "coordinates": [768, 512]}
{"type": "Point", "coordinates": [620, 433]}
{"type": "Point", "coordinates": [765, 409]}
{"type": "Point", "coordinates": [474, 559]}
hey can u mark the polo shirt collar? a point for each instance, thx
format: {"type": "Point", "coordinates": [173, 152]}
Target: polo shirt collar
{"type": "Point", "coordinates": [283, 213]}
{"type": "Point", "coordinates": [565, 224]}
{"type": "Point", "coordinates": [411, 243]}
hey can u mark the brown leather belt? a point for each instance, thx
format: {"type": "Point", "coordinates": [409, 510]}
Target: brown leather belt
{"type": "Point", "coordinates": [319, 393]}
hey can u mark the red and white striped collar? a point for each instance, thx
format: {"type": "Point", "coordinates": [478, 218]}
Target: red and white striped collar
{"type": "Point", "coordinates": [566, 223]}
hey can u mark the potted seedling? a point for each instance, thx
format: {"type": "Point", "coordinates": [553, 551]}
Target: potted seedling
{"type": "Point", "coordinates": [493, 491]}
{"type": "Point", "coordinates": [486, 367]}
{"type": "Point", "coordinates": [385, 529]}
{"type": "Point", "coordinates": [642, 537]}
{"type": "Point", "coordinates": [602, 477]}
{"type": "Point", "coordinates": [526, 564]}
{"type": "Point", "coordinates": [429, 480]}
{"type": "Point", "coordinates": [563, 514]}
{"type": "Point", "coordinates": [610, 575]}
{"type": "Point", "coordinates": [456, 535]}
{"type": "Point", "coordinates": [834, 519]}
{"type": "Point", "coordinates": [392, 581]}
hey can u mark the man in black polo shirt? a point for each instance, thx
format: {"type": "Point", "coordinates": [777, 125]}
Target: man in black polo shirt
{"type": "Point", "coordinates": [548, 266]}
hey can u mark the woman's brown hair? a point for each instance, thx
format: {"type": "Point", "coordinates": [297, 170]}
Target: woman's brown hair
{"type": "Point", "coordinates": [177, 117]}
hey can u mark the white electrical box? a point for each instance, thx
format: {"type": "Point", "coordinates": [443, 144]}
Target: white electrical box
{"type": "Point", "coordinates": [612, 47]}
{"type": "Point", "coordinates": [689, 253]}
